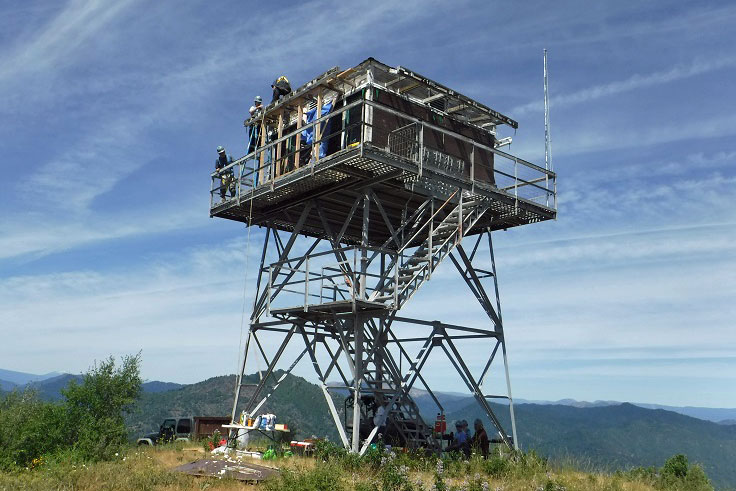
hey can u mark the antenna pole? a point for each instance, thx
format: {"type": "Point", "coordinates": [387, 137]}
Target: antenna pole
{"type": "Point", "coordinates": [547, 142]}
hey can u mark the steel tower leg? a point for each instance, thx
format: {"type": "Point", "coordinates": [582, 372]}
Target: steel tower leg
{"type": "Point", "coordinates": [499, 327]}
{"type": "Point", "coordinates": [473, 277]}
{"type": "Point", "coordinates": [358, 361]}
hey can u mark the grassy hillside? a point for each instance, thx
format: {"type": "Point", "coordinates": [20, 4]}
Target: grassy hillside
{"type": "Point", "coordinates": [297, 402]}
{"type": "Point", "coordinates": [620, 437]}
{"type": "Point", "coordinates": [150, 468]}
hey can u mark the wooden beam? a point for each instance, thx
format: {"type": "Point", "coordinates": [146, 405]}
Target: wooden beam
{"type": "Point", "coordinates": [409, 87]}
{"type": "Point", "coordinates": [433, 98]}
{"type": "Point", "coordinates": [391, 82]}
{"type": "Point", "coordinates": [456, 108]}
{"type": "Point", "coordinates": [345, 72]}
{"type": "Point", "coordinates": [299, 112]}
{"type": "Point", "coordinates": [316, 133]}
{"type": "Point", "coordinates": [280, 167]}
{"type": "Point", "coordinates": [262, 159]}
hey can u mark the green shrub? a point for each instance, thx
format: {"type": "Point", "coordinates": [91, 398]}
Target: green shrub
{"type": "Point", "coordinates": [326, 450]}
{"type": "Point", "coordinates": [677, 473]}
{"type": "Point", "coordinates": [323, 477]}
{"type": "Point", "coordinates": [29, 428]}
{"type": "Point", "coordinates": [496, 466]}
{"type": "Point", "coordinates": [87, 425]}
{"type": "Point", "coordinates": [529, 464]}
{"type": "Point", "coordinates": [676, 467]}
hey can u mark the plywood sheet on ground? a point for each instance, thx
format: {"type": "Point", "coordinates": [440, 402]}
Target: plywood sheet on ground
{"type": "Point", "coordinates": [242, 471]}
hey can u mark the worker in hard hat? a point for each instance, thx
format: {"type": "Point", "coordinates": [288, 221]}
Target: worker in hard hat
{"type": "Point", "coordinates": [254, 130]}
{"type": "Point", "coordinates": [281, 87]}
{"type": "Point", "coordinates": [227, 182]}
{"type": "Point", "coordinates": [257, 106]}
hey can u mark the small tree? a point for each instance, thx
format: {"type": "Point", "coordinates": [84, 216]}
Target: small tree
{"type": "Point", "coordinates": [678, 473]}
{"type": "Point", "coordinates": [96, 407]}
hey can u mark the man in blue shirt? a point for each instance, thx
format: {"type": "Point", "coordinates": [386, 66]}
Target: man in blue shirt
{"type": "Point", "coordinates": [461, 441]}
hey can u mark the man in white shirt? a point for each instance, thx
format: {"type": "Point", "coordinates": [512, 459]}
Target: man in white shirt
{"type": "Point", "coordinates": [257, 106]}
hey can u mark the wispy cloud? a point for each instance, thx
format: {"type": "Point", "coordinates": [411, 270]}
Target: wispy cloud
{"type": "Point", "coordinates": [35, 235]}
{"type": "Point", "coordinates": [635, 82]}
{"type": "Point", "coordinates": [75, 26]}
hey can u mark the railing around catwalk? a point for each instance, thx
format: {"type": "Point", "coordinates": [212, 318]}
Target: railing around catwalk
{"type": "Point", "coordinates": [276, 152]}
{"type": "Point", "coordinates": [337, 278]}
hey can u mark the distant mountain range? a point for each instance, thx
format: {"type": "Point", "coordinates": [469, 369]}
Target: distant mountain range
{"type": "Point", "coordinates": [10, 379]}
{"type": "Point", "coordinates": [49, 385]}
{"type": "Point", "coordinates": [452, 401]}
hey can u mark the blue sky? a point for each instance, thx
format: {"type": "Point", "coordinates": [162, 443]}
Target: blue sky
{"type": "Point", "coordinates": [111, 113]}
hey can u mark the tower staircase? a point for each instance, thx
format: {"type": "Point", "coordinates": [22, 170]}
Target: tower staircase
{"type": "Point", "coordinates": [441, 239]}
{"type": "Point", "coordinates": [404, 425]}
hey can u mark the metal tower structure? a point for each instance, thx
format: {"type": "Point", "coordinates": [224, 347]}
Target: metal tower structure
{"type": "Point", "coordinates": [364, 182]}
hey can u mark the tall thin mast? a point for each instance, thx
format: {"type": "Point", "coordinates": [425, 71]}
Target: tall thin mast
{"type": "Point", "coordinates": [547, 140]}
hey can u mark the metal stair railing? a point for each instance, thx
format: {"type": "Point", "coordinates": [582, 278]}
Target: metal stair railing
{"type": "Point", "coordinates": [416, 269]}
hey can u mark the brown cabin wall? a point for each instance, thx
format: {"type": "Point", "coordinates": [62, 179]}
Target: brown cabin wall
{"type": "Point", "coordinates": [384, 123]}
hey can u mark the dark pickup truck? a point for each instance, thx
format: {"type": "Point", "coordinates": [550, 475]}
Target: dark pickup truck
{"type": "Point", "coordinates": [185, 429]}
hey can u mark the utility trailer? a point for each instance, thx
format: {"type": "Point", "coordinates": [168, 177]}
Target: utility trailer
{"type": "Point", "coordinates": [185, 429]}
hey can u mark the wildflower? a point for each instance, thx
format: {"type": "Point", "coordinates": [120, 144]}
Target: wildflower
{"type": "Point", "coordinates": [440, 467]}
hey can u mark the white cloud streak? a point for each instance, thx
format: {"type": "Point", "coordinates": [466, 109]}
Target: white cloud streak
{"type": "Point", "coordinates": [77, 24]}
{"type": "Point", "coordinates": [635, 82]}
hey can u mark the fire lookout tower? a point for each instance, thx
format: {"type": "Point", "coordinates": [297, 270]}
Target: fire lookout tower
{"type": "Point", "coordinates": [365, 181]}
